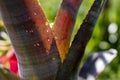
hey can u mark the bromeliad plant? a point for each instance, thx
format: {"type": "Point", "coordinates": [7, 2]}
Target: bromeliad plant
{"type": "Point", "coordinates": [45, 53]}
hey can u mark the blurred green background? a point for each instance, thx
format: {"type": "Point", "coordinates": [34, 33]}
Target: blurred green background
{"type": "Point", "coordinates": [105, 36]}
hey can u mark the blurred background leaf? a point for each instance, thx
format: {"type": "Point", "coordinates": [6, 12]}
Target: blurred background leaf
{"type": "Point", "coordinates": [5, 74]}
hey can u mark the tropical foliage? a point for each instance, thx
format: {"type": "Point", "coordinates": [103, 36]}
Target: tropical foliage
{"type": "Point", "coordinates": [105, 36]}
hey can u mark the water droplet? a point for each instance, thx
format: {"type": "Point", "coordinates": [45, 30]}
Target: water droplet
{"type": "Point", "coordinates": [53, 58]}
{"type": "Point", "coordinates": [46, 23]}
{"type": "Point", "coordinates": [48, 39]}
{"type": "Point", "coordinates": [35, 13]}
{"type": "Point", "coordinates": [56, 37]}
{"type": "Point", "coordinates": [47, 31]}
{"type": "Point", "coordinates": [38, 44]}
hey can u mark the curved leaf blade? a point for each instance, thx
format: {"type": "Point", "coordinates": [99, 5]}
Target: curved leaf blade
{"type": "Point", "coordinates": [64, 24]}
